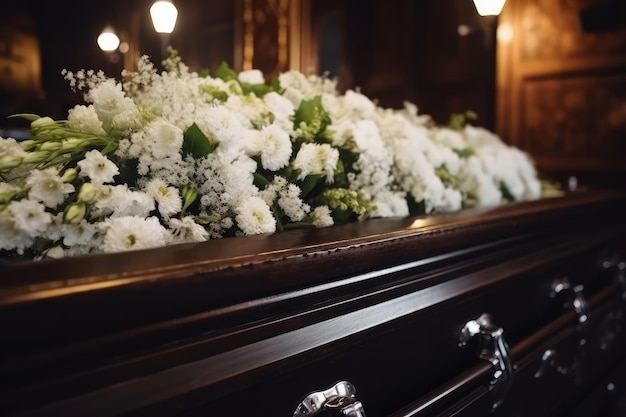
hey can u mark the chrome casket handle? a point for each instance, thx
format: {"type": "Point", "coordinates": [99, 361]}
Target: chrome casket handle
{"type": "Point", "coordinates": [340, 397]}
{"type": "Point", "coordinates": [494, 349]}
{"type": "Point", "coordinates": [576, 301]}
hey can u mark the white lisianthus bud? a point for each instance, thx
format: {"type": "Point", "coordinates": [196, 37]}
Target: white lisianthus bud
{"type": "Point", "coordinates": [55, 252]}
{"type": "Point", "coordinates": [49, 146]}
{"type": "Point", "coordinates": [42, 122]}
{"type": "Point", "coordinates": [69, 175]}
{"type": "Point", "coordinates": [36, 157]}
{"type": "Point", "coordinates": [28, 144]}
{"type": "Point", "coordinates": [74, 213]}
{"type": "Point", "coordinates": [10, 162]}
{"type": "Point", "coordinates": [88, 192]}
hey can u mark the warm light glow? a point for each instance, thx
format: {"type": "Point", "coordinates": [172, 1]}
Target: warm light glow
{"type": "Point", "coordinates": [489, 7]}
{"type": "Point", "coordinates": [108, 40]}
{"type": "Point", "coordinates": [505, 33]}
{"type": "Point", "coordinates": [124, 47]}
{"type": "Point", "coordinates": [164, 15]}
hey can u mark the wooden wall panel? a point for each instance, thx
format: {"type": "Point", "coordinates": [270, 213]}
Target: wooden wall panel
{"type": "Point", "coordinates": [562, 89]}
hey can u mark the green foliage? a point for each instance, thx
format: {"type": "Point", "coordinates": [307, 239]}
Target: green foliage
{"type": "Point", "coordinates": [214, 92]}
{"type": "Point", "coordinates": [458, 121]}
{"type": "Point", "coordinates": [347, 205]}
{"type": "Point", "coordinates": [196, 144]}
{"type": "Point", "coordinates": [506, 193]}
{"type": "Point", "coordinates": [464, 153]}
{"type": "Point", "coordinates": [311, 118]}
{"type": "Point", "coordinates": [226, 73]}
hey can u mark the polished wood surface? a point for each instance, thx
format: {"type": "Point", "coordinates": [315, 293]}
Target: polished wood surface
{"type": "Point", "coordinates": [204, 329]}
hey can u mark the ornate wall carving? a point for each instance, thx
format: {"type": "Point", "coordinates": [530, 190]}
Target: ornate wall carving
{"type": "Point", "coordinates": [589, 111]}
{"type": "Point", "coordinates": [551, 29]}
{"type": "Point", "coordinates": [562, 89]}
{"type": "Point", "coordinates": [266, 35]}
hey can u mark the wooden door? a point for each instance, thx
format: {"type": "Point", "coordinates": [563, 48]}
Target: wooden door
{"type": "Point", "coordinates": [561, 86]}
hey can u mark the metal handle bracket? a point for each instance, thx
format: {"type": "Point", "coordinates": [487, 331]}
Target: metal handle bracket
{"type": "Point", "coordinates": [494, 349]}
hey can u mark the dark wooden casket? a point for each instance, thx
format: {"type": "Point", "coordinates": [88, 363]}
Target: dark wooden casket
{"type": "Point", "coordinates": [510, 311]}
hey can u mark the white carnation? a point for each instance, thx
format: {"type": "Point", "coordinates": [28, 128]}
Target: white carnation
{"type": "Point", "coordinates": [254, 217]}
{"type": "Point", "coordinates": [132, 233]}
{"type": "Point", "coordinates": [85, 119]}
{"type": "Point", "coordinates": [315, 158]}
{"type": "Point", "coordinates": [273, 144]}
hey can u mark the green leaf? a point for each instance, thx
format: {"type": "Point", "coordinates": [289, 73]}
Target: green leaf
{"type": "Point", "coordinates": [309, 183]}
{"type": "Point", "coordinates": [204, 73]}
{"type": "Point", "coordinates": [258, 90]}
{"type": "Point", "coordinates": [196, 143]}
{"type": "Point", "coordinates": [464, 153]}
{"type": "Point", "coordinates": [225, 72]}
{"type": "Point", "coordinates": [506, 193]}
{"type": "Point", "coordinates": [28, 116]}
{"type": "Point", "coordinates": [276, 85]}
{"type": "Point", "coordinates": [260, 181]}
{"type": "Point", "coordinates": [313, 115]}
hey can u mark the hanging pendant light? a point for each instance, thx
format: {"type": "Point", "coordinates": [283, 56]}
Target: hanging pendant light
{"type": "Point", "coordinates": [108, 41]}
{"type": "Point", "coordinates": [164, 14]}
{"type": "Point", "coordinates": [489, 7]}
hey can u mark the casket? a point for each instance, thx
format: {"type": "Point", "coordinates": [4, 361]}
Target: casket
{"type": "Point", "coordinates": [516, 310]}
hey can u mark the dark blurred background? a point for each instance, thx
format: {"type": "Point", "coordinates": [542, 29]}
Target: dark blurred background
{"type": "Point", "coordinates": [548, 76]}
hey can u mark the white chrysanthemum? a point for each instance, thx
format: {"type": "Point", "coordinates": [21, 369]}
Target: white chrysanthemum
{"type": "Point", "coordinates": [169, 201]}
{"type": "Point", "coordinates": [127, 202]}
{"type": "Point", "coordinates": [109, 101]}
{"type": "Point", "coordinates": [224, 125]}
{"type": "Point", "coordinates": [163, 138]}
{"type": "Point", "coordinates": [82, 234]}
{"type": "Point", "coordinates": [85, 119]}
{"type": "Point", "coordinates": [315, 158]}
{"type": "Point", "coordinates": [253, 76]}
{"type": "Point", "coordinates": [449, 137]}
{"type": "Point", "coordinates": [132, 233]}
{"type": "Point", "coordinates": [97, 167]}
{"type": "Point", "coordinates": [390, 204]}
{"type": "Point", "coordinates": [250, 108]}
{"type": "Point", "coordinates": [273, 145]}
{"type": "Point", "coordinates": [187, 230]}
{"type": "Point", "coordinates": [282, 109]}
{"type": "Point", "coordinates": [30, 216]}
{"type": "Point", "coordinates": [10, 147]}
{"type": "Point", "coordinates": [254, 217]}
{"type": "Point", "coordinates": [46, 186]}
{"type": "Point", "coordinates": [13, 238]}
{"type": "Point", "coordinates": [478, 185]}
{"type": "Point", "coordinates": [359, 104]}
{"type": "Point", "coordinates": [321, 217]}
{"type": "Point", "coordinates": [296, 87]}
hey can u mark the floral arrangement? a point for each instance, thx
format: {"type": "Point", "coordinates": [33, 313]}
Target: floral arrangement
{"type": "Point", "coordinates": [174, 156]}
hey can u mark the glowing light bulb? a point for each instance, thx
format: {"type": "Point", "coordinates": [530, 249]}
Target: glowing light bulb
{"type": "Point", "coordinates": [164, 15]}
{"type": "Point", "coordinates": [108, 40]}
{"type": "Point", "coordinates": [489, 7]}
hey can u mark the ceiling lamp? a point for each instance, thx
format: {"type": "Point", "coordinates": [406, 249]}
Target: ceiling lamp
{"type": "Point", "coordinates": [108, 41]}
{"type": "Point", "coordinates": [164, 14]}
{"type": "Point", "coordinates": [489, 7]}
